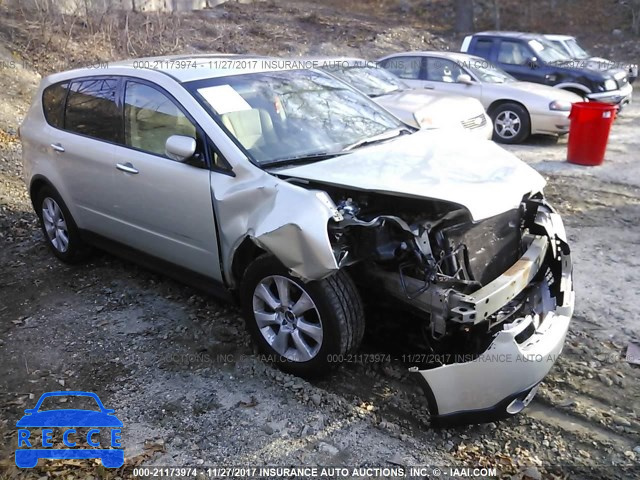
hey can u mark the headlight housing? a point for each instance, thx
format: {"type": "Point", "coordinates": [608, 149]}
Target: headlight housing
{"type": "Point", "coordinates": [610, 85]}
{"type": "Point", "coordinates": [560, 106]}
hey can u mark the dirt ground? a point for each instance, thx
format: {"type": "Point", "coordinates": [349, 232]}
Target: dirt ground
{"type": "Point", "coordinates": [179, 370]}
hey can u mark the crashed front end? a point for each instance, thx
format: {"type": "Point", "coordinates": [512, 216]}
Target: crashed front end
{"type": "Point", "coordinates": [495, 295]}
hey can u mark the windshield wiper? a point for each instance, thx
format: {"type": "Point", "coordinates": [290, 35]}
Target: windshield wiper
{"type": "Point", "coordinates": [309, 158]}
{"type": "Point", "coordinates": [388, 135]}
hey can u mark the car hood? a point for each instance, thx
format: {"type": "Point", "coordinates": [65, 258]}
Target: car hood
{"type": "Point", "coordinates": [444, 109]}
{"type": "Point", "coordinates": [69, 418]}
{"type": "Point", "coordinates": [452, 166]}
{"type": "Point", "coordinates": [545, 91]}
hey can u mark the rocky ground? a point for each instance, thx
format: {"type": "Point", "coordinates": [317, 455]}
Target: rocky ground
{"type": "Point", "coordinates": [178, 367]}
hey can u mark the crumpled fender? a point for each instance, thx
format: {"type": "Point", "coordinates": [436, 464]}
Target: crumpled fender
{"type": "Point", "coordinates": [284, 219]}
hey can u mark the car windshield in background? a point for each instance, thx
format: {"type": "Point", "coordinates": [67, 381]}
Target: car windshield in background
{"type": "Point", "coordinates": [371, 80]}
{"type": "Point", "coordinates": [576, 50]}
{"type": "Point", "coordinates": [487, 72]}
{"type": "Point", "coordinates": [546, 52]}
{"type": "Point", "coordinates": [293, 115]}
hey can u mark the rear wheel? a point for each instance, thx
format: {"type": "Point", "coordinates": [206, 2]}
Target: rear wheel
{"type": "Point", "coordinates": [511, 123]}
{"type": "Point", "coordinates": [59, 229]}
{"type": "Point", "coordinates": [305, 328]}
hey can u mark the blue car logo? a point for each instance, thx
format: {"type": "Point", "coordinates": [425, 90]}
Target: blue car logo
{"type": "Point", "coordinates": [68, 420]}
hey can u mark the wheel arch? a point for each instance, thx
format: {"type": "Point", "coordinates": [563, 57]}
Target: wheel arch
{"type": "Point", "coordinates": [243, 255]}
{"type": "Point", "coordinates": [37, 183]}
{"type": "Point", "coordinates": [503, 101]}
{"type": "Point", "coordinates": [576, 88]}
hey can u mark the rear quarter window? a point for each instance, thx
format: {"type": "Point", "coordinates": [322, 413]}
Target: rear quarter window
{"type": "Point", "coordinates": [92, 109]}
{"type": "Point", "coordinates": [53, 103]}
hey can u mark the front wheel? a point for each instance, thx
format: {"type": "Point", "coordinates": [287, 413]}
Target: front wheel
{"type": "Point", "coordinates": [305, 328]}
{"type": "Point", "coordinates": [511, 123]}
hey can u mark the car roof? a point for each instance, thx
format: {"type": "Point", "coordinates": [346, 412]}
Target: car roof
{"type": "Point", "coordinates": [457, 56]}
{"type": "Point", "coordinates": [345, 61]}
{"type": "Point", "coordinates": [509, 34]}
{"type": "Point", "coordinates": [553, 36]}
{"type": "Point", "coordinates": [188, 67]}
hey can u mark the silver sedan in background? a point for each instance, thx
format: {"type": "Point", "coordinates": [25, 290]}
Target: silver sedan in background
{"type": "Point", "coordinates": [518, 109]}
{"type": "Point", "coordinates": [418, 107]}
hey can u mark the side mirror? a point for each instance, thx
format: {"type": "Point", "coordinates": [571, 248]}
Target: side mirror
{"type": "Point", "coordinates": [464, 79]}
{"type": "Point", "coordinates": [533, 62]}
{"type": "Point", "coordinates": [30, 411]}
{"type": "Point", "coordinates": [180, 148]}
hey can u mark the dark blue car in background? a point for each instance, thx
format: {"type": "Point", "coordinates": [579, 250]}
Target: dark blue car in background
{"type": "Point", "coordinates": [29, 451]}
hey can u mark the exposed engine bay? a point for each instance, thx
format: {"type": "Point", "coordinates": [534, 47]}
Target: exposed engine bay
{"type": "Point", "coordinates": [455, 273]}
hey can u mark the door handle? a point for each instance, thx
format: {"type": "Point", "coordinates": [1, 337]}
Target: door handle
{"type": "Point", "coordinates": [57, 147]}
{"type": "Point", "coordinates": [127, 167]}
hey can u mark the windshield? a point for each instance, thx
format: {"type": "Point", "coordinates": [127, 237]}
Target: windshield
{"type": "Point", "coordinates": [370, 80]}
{"type": "Point", "coordinates": [546, 52]}
{"type": "Point", "coordinates": [488, 72]}
{"type": "Point", "coordinates": [294, 114]}
{"type": "Point", "coordinates": [576, 50]}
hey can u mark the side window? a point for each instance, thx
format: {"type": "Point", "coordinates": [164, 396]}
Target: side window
{"type": "Point", "coordinates": [443, 70]}
{"type": "Point", "coordinates": [150, 117]}
{"type": "Point", "coordinates": [92, 109]}
{"type": "Point", "coordinates": [483, 48]}
{"type": "Point", "coordinates": [404, 67]}
{"type": "Point", "coordinates": [53, 102]}
{"type": "Point", "coordinates": [513, 53]}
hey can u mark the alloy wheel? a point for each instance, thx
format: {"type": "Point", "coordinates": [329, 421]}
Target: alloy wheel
{"type": "Point", "coordinates": [508, 124]}
{"type": "Point", "coordinates": [55, 225]}
{"type": "Point", "coordinates": [287, 318]}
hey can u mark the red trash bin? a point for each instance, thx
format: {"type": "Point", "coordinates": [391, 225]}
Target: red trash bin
{"type": "Point", "coordinates": [589, 132]}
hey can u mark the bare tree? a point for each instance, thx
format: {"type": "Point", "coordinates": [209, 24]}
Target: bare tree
{"type": "Point", "coordinates": [464, 16]}
{"type": "Point", "coordinates": [496, 14]}
{"type": "Point", "coordinates": [634, 6]}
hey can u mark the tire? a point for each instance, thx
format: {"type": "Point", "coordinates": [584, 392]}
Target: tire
{"type": "Point", "coordinates": [511, 123]}
{"type": "Point", "coordinates": [58, 227]}
{"type": "Point", "coordinates": [333, 318]}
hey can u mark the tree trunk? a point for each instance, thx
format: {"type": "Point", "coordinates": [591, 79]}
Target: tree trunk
{"type": "Point", "coordinates": [464, 16]}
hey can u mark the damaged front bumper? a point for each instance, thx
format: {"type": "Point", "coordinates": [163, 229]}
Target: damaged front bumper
{"type": "Point", "coordinates": [502, 380]}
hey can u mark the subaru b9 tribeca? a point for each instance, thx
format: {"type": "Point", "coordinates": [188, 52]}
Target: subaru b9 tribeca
{"type": "Point", "coordinates": [299, 197]}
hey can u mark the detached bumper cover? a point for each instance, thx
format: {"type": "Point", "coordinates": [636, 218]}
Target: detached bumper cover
{"type": "Point", "coordinates": [503, 379]}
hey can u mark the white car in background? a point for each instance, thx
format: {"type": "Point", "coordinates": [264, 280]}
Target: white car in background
{"type": "Point", "coordinates": [418, 107]}
{"type": "Point", "coordinates": [517, 109]}
{"type": "Point", "coordinates": [570, 46]}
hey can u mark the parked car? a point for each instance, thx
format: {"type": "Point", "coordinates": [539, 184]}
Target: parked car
{"type": "Point", "coordinates": [416, 106]}
{"type": "Point", "coordinates": [299, 196]}
{"type": "Point", "coordinates": [517, 109]}
{"type": "Point", "coordinates": [533, 58]}
{"type": "Point", "coordinates": [570, 46]}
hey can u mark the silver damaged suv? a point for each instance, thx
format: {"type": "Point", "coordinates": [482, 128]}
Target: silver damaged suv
{"type": "Point", "coordinates": [292, 193]}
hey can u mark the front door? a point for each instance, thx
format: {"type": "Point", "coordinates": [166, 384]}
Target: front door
{"type": "Point", "coordinates": [519, 60]}
{"type": "Point", "coordinates": [442, 74]}
{"type": "Point", "coordinates": [164, 207]}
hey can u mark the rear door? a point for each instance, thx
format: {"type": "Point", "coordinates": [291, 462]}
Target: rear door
{"type": "Point", "coordinates": [163, 207]}
{"type": "Point", "coordinates": [409, 68]}
{"type": "Point", "coordinates": [83, 148]}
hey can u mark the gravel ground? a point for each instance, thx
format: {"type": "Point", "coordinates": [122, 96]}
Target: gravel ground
{"type": "Point", "coordinates": [178, 367]}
